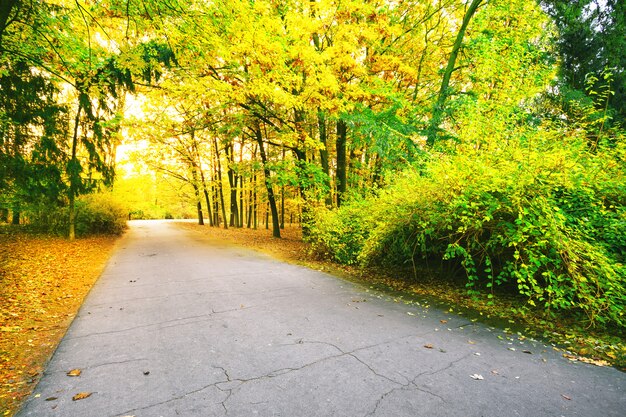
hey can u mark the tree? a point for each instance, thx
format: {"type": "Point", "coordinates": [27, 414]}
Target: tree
{"type": "Point", "coordinates": [438, 108]}
{"type": "Point", "coordinates": [590, 40]}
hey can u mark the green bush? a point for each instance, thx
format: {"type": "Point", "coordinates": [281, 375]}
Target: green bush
{"type": "Point", "coordinates": [339, 234]}
{"type": "Point", "coordinates": [95, 214]}
{"type": "Point", "coordinates": [547, 221]}
{"type": "Point", "coordinates": [99, 214]}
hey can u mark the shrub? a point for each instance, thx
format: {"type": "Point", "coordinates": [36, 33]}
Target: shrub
{"type": "Point", "coordinates": [548, 222]}
{"type": "Point", "coordinates": [95, 214]}
{"type": "Point", "coordinates": [339, 234]}
{"type": "Point", "coordinates": [99, 214]}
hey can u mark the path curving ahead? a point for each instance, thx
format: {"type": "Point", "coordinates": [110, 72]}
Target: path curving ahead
{"type": "Point", "coordinates": [179, 325]}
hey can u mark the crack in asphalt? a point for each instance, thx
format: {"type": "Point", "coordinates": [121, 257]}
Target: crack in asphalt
{"type": "Point", "coordinates": [177, 398]}
{"type": "Point", "coordinates": [412, 385]}
{"type": "Point", "coordinates": [162, 324]}
{"type": "Point", "coordinates": [88, 368]}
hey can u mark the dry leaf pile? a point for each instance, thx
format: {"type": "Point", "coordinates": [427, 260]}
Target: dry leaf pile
{"type": "Point", "coordinates": [43, 282]}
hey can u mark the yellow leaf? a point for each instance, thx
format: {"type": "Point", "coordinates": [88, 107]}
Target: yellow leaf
{"type": "Point", "coordinates": [10, 328]}
{"type": "Point", "coordinates": [74, 372]}
{"type": "Point", "coordinates": [81, 396]}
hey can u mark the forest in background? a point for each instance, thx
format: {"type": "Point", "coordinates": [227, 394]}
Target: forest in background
{"type": "Point", "coordinates": [484, 138]}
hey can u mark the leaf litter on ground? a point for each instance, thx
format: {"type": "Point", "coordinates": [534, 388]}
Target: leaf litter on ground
{"type": "Point", "coordinates": [43, 281]}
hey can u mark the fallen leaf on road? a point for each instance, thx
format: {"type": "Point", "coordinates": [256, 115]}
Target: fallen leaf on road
{"type": "Point", "coordinates": [146, 372]}
{"type": "Point", "coordinates": [81, 396]}
{"type": "Point", "coordinates": [495, 372]}
{"type": "Point", "coordinates": [409, 313]}
{"type": "Point", "coordinates": [566, 397]}
{"type": "Point", "coordinates": [597, 362]}
{"type": "Point", "coordinates": [527, 351]}
{"type": "Point", "coordinates": [52, 398]}
{"type": "Point", "coordinates": [428, 346]}
{"type": "Point", "coordinates": [74, 372]}
{"type": "Point", "coordinates": [471, 342]}
{"type": "Point", "coordinates": [443, 321]}
{"type": "Point", "coordinates": [477, 377]}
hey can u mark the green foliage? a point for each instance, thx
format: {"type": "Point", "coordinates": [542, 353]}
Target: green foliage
{"type": "Point", "coordinates": [591, 38]}
{"type": "Point", "coordinates": [545, 219]}
{"type": "Point", "coordinates": [339, 234]}
{"type": "Point", "coordinates": [95, 214]}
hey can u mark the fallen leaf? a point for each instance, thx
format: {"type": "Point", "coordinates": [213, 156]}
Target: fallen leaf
{"type": "Point", "coordinates": [81, 396]}
{"type": "Point", "coordinates": [443, 321]}
{"type": "Point", "coordinates": [74, 372]}
{"type": "Point", "coordinates": [52, 398]}
{"type": "Point", "coordinates": [495, 372]}
{"type": "Point", "coordinates": [596, 362]}
{"type": "Point", "coordinates": [527, 351]}
{"type": "Point", "coordinates": [146, 372]}
{"type": "Point", "coordinates": [428, 346]}
{"type": "Point", "coordinates": [566, 397]}
{"type": "Point", "coordinates": [409, 313]}
{"type": "Point", "coordinates": [10, 328]}
{"type": "Point", "coordinates": [471, 342]}
{"type": "Point", "coordinates": [477, 377]}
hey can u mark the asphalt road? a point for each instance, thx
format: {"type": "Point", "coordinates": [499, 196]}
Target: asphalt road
{"type": "Point", "coordinates": [179, 325]}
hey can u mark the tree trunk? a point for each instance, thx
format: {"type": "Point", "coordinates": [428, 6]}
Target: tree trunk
{"type": "Point", "coordinates": [342, 132]}
{"type": "Point", "coordinates": [196, 191]}
{"type": "Point", "coordinates": [268, 184]}
{"type": "Point", "coordinates": [202, 179]}
{"type": "Point", "coordinates": [215, 198]}
{"type": "Point", "coordinates": [250, 204]}
{"type": "Point", "coordinates": [241, 185]}
{"type": "Point", "coordinates": [207, 199]}
{"type": "Point", "coordinates": [15, 217]}
{"type": "Point", "coordinates": [321, 121]}
{"type": "Point", "coordinates": [232, 181]}
{"type": "Point", "coordinates": [74, 176]}
{"type": "Point", "coordinates": [219, 182]}
{"type": "Point", "coordinates": [199, 205]}
{"type": "Point", "coordinates": [282, 207]}
{"type": "Point", "coordinates": [282, 200]}
{"type": "Point", "coordinates": [255, 205]}
{"type": "Point", "coordinates": [438, 108]}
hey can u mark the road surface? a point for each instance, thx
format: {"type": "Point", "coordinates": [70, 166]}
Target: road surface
{"type": "Point", "coordinates": [180, 325]}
